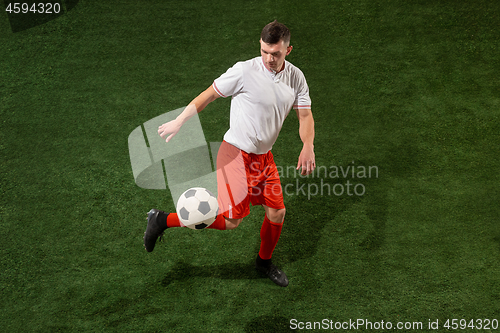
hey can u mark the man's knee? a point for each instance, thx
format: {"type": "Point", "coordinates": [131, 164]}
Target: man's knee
{"type": "Point", "coordinates": [232, 223]}
{"type": "Point", "coordinates": [276, 215]}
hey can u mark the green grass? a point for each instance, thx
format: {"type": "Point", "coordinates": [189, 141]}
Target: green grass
{"type": "Point", "coordinates": [411, 87]}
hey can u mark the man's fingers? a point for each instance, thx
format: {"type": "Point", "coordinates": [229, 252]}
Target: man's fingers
{"type": "Point", "coordinates": [163, 134]}
{"type": "Point", "coordinates": [170, 137]}
{"type": "Point", "coordinates": [307, 168]}
{"type": "Point", "coordinates": [171, 128]}
{"type": "Point", "coordinates": [302, 165]}
{"type": "Point", "coordinates": [304, 171]}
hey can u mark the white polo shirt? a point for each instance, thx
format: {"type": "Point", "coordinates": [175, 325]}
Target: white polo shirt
{"type": "Point", "coordinates": [261, 100]}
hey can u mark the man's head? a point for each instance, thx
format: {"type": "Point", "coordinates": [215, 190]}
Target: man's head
{"type": "Point", "coordinates": [275, 45]}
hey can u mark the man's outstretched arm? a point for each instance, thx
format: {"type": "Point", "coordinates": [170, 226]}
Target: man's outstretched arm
{"type": "Point", "coordinates": [306, 131]}
{"type": "Point", "coordinates": [196, 105]}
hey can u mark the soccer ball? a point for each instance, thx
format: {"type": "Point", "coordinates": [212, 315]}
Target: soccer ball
{"type": "Point", "coordinates": [197, 208]}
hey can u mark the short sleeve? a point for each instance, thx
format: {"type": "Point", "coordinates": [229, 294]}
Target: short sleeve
{"type": "Point", "coordinates": [302, 99]}
{"type": "Point", "coordinates": [231, 82]}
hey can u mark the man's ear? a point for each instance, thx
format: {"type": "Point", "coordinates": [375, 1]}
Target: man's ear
{"type": "Point", "coordinates": [289, 49]}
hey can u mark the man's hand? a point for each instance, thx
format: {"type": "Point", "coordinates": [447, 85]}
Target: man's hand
{"type": "Point", "coordinates": [196, 105]}
{"type": "Point", "coordinates": [306, 162]}
{"type": "Point", "coordinates": [172, 128]}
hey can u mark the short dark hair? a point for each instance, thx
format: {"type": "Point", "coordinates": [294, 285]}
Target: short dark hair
{"type": "Point", "coordinates": [274, 32]}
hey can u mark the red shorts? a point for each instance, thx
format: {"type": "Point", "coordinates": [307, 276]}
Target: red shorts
{"type": "Point", "coordinates": [244, 178]}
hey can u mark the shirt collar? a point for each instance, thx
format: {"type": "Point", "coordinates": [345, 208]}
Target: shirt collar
{"type": "Point", "coordinates": [270, 70]}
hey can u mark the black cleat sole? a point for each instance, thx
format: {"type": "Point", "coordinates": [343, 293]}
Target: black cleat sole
{"type": "Point", "coordinates": [153, 231]}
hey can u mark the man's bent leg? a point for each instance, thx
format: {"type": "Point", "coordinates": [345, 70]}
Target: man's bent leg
{"type": "Point", "coordinates": [159, 221]}
{"type": "Point", "coordinates": [232, 223]}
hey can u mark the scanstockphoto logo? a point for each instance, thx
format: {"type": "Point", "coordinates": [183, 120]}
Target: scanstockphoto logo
{"type": "Point", "coordinates": [187, 161]}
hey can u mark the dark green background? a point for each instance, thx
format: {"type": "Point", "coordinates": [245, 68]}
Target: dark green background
{"type": "Point", "coordinates": [409, 86]}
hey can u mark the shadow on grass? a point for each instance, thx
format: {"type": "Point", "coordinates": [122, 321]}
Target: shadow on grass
{"type": "Point", "coordinates": [116, 313]}
{"type": "Point", "coordinates": [306, 219]}
{"type": "Point", "coordinates": [376, 212]}
{"type": "Point", "coordinates": [497, 239]}
{"type": "Point", "coordinates": [305, 223]}
{"type": "Point", "coordinates": [182, 271]}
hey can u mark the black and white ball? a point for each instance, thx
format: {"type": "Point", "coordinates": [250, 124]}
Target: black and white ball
{"type": "Point", "coordinates": [197, 208]}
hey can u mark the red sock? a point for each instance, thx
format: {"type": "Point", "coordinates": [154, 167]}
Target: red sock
{"type": "Point", "coordinates": [219, 223]}
{"type": "Point", "coordinates": [173, 220]}
{"type": "Point", "coordinates": [269, 235]}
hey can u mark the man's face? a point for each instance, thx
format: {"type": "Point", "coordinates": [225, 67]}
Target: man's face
{"type": "Point", "coordinates": [274, 55]}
